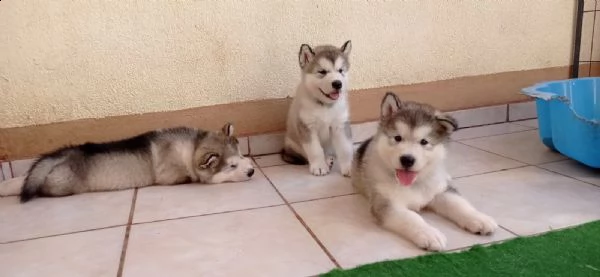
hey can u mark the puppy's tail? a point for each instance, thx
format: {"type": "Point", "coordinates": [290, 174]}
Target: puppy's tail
{"type": "Point", "coordinates": [290, 156]}
{"type": "Point", "coordinates": [36, 177]}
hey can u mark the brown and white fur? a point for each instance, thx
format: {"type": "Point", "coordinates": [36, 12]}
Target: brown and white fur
{"type": "Point", "coordinates": [401, 170]}
{"type": "Point", "coordinates": [318, 119]}
{"type": "Point", "coordinates": [161, 157]}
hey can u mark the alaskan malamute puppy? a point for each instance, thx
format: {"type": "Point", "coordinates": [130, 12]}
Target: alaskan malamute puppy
{"type": "Point", "coordinates": [317, 123]}
{"type": "Point", "coordinates": [161, 157]}
{"type": "Point", "coordinates": [401, 170]}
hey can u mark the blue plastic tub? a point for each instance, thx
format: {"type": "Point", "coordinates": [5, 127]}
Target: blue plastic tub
{"type": "Point", "coordinates": [569, 117]}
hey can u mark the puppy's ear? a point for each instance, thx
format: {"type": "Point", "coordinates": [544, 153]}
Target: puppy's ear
{"type": "Point", "coordinates": [209, 160]}
{"type": "Point", "coordinates": [228, 129]}
{"type": "Point", "coordinates": [389, 105]}
{"type": "Point", "coordinates": [306, 55]}
{"type": "Point", "coordinates": [346, 48]}
{"type": "Point", "coordinates": [448, 124]}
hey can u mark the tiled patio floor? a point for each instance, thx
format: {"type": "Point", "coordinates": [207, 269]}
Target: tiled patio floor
{"type": "Point", "coordinates": [285, 222]}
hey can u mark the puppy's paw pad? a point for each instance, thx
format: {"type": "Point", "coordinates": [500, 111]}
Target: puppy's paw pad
{"type": "Point", "coordinates": [329, 161]}
{"type": "Point", "coordinates": [481, 224]}
{"type": "Point", "coordinates": [431, 239]}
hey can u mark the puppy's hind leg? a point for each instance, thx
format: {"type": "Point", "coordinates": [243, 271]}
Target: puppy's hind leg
{"type": "Point", "coordinates": [341, 138]}
{"type": "Point", "coordinates": [61, 181]}
{"type": "Point", "coordinates": [453, 206]}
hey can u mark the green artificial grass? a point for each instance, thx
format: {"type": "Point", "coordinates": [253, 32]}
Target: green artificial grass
{"type": "Point", "coordinates": [568, 252]}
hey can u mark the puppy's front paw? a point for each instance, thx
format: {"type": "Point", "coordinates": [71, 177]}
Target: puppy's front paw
{"type": "Point", "coordinates": [480, 224]}
{"type": "Point", "coordinates": [430, 239]}
{"type": "Point", "coordinates": [346, 169]}
{"type": "Point", "coordinates": [319, 169]}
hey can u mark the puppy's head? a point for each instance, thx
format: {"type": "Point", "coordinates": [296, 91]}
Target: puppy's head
{"type": "Point", "coordinates": [410, 137]}
{"type": "Point", "coordinates": [325, 71]}
{"type": "Point", "coordinates": [218, 158]}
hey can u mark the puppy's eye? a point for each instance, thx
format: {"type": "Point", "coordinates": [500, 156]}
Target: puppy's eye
{"type": "Point", "coordinates": [322, 72]}
{"type": "Point", "coordinates": [398, 138]}
{"type": "Point", "coordinates": [233, 166]}
{"type": "Point", "coordinates": [424, 142]}
{"type": "Point", "coordinates": [341, 70]}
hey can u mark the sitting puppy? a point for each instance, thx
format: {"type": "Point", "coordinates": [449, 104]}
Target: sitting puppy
{"type": "Point", "coordinates": [401, 170]}
{"type": "Point", "coordinates": [161, 157]}
{"type": "Point", "coordinates": [317, 122]}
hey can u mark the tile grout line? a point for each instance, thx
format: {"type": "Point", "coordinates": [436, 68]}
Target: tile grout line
{"type": "Point", "coordinates": [570, 177]}
{"type": "Point", "coordinates": [323, 198]}
{"type": "Point", "coordinates": [311, 233]}
{"type": "Point", "coordinates": [508, 133]}
{"type": "Point", "coordinates": [488, 172]}
{"type": "Point", "coordinates": [497, 154]}
{"type": "Point", "coordinates": [12, 173]}
{"type": "Point", "coordinates": [62, 234]}
{"type": "Point", "coordinates": [137, 223]}
{"type": "Point", "coordinates": [526, 164]}
{"type": "Point", "coordinates": [508, 230]}
{"type": "Point", "coordinates": [127, 232]}
{"type": "Point", "coordinates": [207, 214]}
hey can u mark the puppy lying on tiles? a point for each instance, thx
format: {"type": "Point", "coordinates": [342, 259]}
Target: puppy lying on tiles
{"type": "Point", "coordinates": [161, 157]}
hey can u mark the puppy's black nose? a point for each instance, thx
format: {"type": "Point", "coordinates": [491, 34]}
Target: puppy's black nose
{"type": "Point", "coordinates": [337, 84]}
{"type": "Point", "coordinates": [250, 172]}
{"type": "Point", "coordinates": [407, 161]}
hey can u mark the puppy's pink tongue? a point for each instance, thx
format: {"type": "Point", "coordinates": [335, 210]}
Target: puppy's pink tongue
{"type": "Point", "coordinates": [406, 177]}
{"type": "Point", "coordinates": [334, 95]}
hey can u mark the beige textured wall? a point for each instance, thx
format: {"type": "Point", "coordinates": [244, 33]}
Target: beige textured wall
{"type": "Point", "coordinates": [63, 60]}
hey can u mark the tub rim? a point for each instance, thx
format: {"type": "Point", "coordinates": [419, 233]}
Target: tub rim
{"type": "Point", "coordinates": [534, 91]}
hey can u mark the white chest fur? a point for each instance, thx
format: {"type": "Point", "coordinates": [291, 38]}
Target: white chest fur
{"type": "Point", "coordinates": [415, 196]}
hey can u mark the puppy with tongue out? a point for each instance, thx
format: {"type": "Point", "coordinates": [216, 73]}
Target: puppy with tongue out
{"type": "Point", "coordinates": [402, 170]}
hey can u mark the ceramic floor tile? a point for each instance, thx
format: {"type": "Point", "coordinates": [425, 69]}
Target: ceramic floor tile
{"type": "Point", "coordinates": [464, 160]}
{"type": "Point", "coordinates": [480, 116]}
{"type": "Point", "coordinates": [6, 172]}
{"type": "Point", "coordinates": [51, 216]}
{"type": "Point", "coordinates": [523, 110]}
{"type": "Point", "coordinates": [262, 242]}
{"type": "Point", "coordinates": [266, 144]}
{"type": "Point", "coordinates": [533, 123]}
{"type": "Point", "coordinates": [269, 160]}
{"type": "Point", "coordinates": [20, 167]}
{"type": "Point", "coordinates": [244, 145]}
{"type": "Point", "coordinates": [531, 200]}
{"type": "Point", "coordinates": [488, 130]}
{"type": "Point", "coordinates": [589, 5]}
{"type": "Point", "coordinates": [576, 170]}
{"type": "Point", "coordinates": [363, 131]}
{"type": "Point", "coordinates": [523, 146]}
{"type": "Point", "coordinates": [275, 159]}
{"type": "Point", "coordinates": [297, 184]}
{"type": "Point", "coordinates": [94, 253]}
{"type": "Point", "coordinates": [156, 203]}
{"type": "Point", "coordinates": [347, 229]}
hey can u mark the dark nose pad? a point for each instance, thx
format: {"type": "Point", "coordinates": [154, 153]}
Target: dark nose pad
{"type": "Point", "coordinates": [250, 172]}
{"type": "Point", "coordinates": [407, 161]}
{"type": "Point", "coordinates": [337, 84]}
